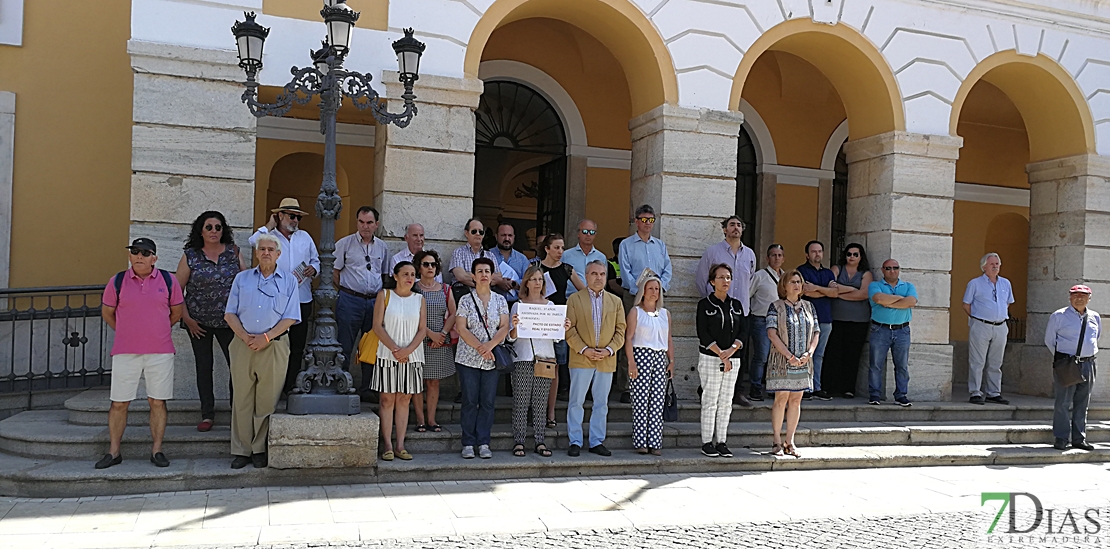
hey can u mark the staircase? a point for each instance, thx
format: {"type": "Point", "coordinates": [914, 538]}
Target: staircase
{"type": "Point", "coordinates": [50, 453]}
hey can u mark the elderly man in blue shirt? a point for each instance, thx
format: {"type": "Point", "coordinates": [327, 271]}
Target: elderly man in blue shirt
{"type": "Point", "coordinates": [987, 302]}
{"type": "Point", "coordinates": [584, 253]}
{"type": "Point", "coordinates": [892, 302]}
{"type": "Point", "coordinates": [261, 308]}
{"type": "Point", "coordinates": [640, 251]}
{"type": "Point", "coordinates": [1073, 331]}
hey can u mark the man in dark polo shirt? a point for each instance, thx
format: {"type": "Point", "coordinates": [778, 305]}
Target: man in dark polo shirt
{"type": "Point", "coordinates": [819, 289]}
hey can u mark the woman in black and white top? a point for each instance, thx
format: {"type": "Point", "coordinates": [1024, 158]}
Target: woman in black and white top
{"type": "Point", "coordinates": [721, 335]}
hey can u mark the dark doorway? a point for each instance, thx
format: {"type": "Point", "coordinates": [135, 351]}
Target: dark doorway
{"type": "Point", "coordinates": [839, 231]}
{"type": "Point", "coordinates": [747, 182]}
{"type": "Point", "coordinates": [520, 174]}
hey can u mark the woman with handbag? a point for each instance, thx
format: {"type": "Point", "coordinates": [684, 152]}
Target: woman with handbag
{"type": "Point", "coordinates": [439, 349]}
{"type": "Point", "coordinates": [650, 354]}
{"type": "Point", "coordinates": [794, 332]}
{"type": "Point", "coordinates": [483, 323]}
{"type": "Point", "coordinates": [1072, 335]}
{"type": "Point", "coordinates": [722, 332]}
{"type": "Point", "coordinates": [534, 372]}
{"type": "Point", "coordinates": [400, 324]}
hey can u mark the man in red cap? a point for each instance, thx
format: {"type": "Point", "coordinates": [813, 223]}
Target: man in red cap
{"type": "Point", "coordinates": [1073, 332]}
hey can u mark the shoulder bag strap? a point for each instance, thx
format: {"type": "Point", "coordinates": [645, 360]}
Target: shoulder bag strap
{"type": "Point", "coordinates": [772, 274]}
{"type": "Point", "coordinates": [1082, 332]}
{"type": "Point", "coordinates": [478, 307]}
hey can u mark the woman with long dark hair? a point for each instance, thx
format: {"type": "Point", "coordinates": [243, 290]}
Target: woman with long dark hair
{"type": "Point", "coordinates": [205, 272]}
{"type": "Point", "coordinates": [851, 315]}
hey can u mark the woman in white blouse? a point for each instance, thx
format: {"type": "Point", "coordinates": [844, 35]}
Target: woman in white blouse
{"type": "Point", "coordinates": [399, 322]}
{"type": "Point", "coordinates": [650, 355]}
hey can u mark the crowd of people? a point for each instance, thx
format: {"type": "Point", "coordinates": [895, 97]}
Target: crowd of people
{"type": "Point", "coordinates": [798, 333]}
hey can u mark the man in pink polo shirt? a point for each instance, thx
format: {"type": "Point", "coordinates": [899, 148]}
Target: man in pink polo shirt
{"type": "Point", "coordinates": [141, 308]}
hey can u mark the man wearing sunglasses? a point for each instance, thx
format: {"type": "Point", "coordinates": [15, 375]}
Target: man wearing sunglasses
{"type": "Point", "coordinates": [987, 302]}
{"type": "Point", "coordinates": [360, 260]}
{"type": "Point", "coordinates": [638, 252]}
{"type": "Point", "coordinates": [584, 253]}
{"type": "Point", "coordinates": [892, 302]}
{"type": "Point", "coordinates": [463, 257]}
{"type": "Point", "coordinates": [141, 304]}
{"type": "Point", "coordinates": [300, 258]}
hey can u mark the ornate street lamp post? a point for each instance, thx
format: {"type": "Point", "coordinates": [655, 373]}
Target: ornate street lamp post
{"type": "Point", "coordinates": [322, 386]}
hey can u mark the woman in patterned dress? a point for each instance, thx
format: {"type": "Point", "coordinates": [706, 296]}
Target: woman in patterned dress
{"type": "Point", "coordinates": [483, 323]}
{"type": "Point", "coordinates": [400, 321]}
{"type": "Point", "coordinates": [439, 353]}
{"type": "Point", "coordinates": [793, 330]}
{"type": "Point", "coordinates": [205, 272]}
{"type": "Point", "coordinates": [650, 354]}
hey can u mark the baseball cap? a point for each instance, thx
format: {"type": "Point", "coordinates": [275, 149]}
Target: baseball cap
{"type": "Point", "coordinates": [143, 243]}
{"type": "Point", "coordinates": [1080, 289]}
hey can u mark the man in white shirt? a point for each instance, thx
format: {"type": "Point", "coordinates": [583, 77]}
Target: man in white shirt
{"type": "Point", "coordinates": [414, 243]}
{"type": "Point", "coordinates": [300, 258]}
{"type": "Point", "coordinates": [360, 262]}
{"type": "Point", "coordinates": [987, 301]}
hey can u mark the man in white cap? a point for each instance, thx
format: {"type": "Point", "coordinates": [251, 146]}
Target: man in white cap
{"type": "Point", "coordinates": [300, 258]}
{"type": "Point", "coordinates": [1073, 332]}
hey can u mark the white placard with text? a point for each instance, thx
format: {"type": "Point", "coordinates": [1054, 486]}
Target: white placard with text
{"type": "Point", "coordinates": [541, 321]}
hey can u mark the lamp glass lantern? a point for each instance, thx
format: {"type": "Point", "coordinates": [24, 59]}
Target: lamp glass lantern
{"type": "Point", "coordinates": [340, 19]}
{"type": "Point", "coordinates": [250, 37]}
{"type": "Point", "coordinates": [320, 57]}
{"type": "Point", "coordinates": [408, 51]}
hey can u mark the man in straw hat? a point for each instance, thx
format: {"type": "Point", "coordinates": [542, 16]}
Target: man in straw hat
{"type": "Point", "coordinates": [300, 258]}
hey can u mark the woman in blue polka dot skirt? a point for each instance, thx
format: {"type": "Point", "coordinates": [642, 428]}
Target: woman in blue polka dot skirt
{"type": "Point", "coordinates": [650, 355]}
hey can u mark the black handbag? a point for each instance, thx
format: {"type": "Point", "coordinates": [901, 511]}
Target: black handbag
{"type": "Point", "coordinates": [1065, 368]}
{"type": "Point", "coordinates": [670, 403]}
{"type": "Point", "coordinates": [504, 354]}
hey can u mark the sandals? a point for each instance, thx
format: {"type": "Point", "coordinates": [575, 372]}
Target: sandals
{"type": "Point", "coordinates": [643, 451]}
{"type": "Point", "coordinates": [421, 428]}
{"type": "Point", "coordinates": [551, 424]}
{"type": "Point", "coordinates": [518, 450]}
{"type": "Point", "coordinates": [387, 456]}
{"type": "Point", "coordinates": [791, 450]}
{"type": "Point", "coordinates": [656, 452]}
{"type": "Point", "coordinates": [542, 450]}
{"type": "Point", "coordinates": [435, 428]}
{"type": "Point", "coordinates": [777, 450]}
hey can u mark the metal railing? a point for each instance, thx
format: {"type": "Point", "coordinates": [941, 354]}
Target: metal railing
{"type": "Point", "coordinates": [1017, 330]}
{"type": "Point", "coordinates": [53, 338]}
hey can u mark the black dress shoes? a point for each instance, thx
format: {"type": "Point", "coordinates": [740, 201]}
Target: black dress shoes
{"type": "Point", "coordinates": [1060, 444]}
{"type": "Point", "coordinates": [259, 460]}
{"type": "Point", "coordinates": [574, 450]}
{"type": "Point", "coordinates": [240, 461]}
{"type": "Point", "coordinates": [159, 460]}
{"type": "Point", "coordinates": [108, 461]}
{"type": "Point", "coordinates": [1082, 445]}
{"type": "Point", "coordinates": [601, 450]}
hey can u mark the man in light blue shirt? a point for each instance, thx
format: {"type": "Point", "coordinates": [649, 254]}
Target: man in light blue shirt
{"type": "Point", "coordinates": [638, 252]}
{"type": "Point", "coordinates": [892, 301]}
{"type": "Point", "coordinates": [506, 237]}
{"type": "Point", "coordinates": [1062, 336]}
{"type": "Point", "coordinates": [584, 253]}
{"type": "Point", "coordinates": [987, 301]}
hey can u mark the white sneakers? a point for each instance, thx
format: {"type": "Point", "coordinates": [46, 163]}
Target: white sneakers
{"type": "Point", "coordinates": [483, 452]}
{"type": "Point", "coordinates": [468, 452]}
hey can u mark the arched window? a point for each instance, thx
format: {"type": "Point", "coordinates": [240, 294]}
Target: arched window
{"type": "Point", "coordinates": [839, 205]}
{"type": "Point", "coordinates": [747, 182]}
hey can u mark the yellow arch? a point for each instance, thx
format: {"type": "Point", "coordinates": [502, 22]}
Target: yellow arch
{"type": "Point", "coordinates": [618, 24]}
{"type": "Point", "coordinates": [1057, 118]}
{"type": "Point", "coordinates": [853, 65]}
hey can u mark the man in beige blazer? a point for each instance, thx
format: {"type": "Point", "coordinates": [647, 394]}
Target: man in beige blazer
{"type": "Point", "coordinates": [596, 334]}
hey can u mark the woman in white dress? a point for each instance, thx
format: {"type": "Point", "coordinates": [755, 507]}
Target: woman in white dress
{"type": "Point", "coordinates": [400, 323]}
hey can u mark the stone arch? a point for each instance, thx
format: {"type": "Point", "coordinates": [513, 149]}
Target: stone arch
{"type": "Point", "coordinates": [850, 61]}
{"type": "Point", "coordinates": [298, 175]}
{"type": "Point", "coordinates": [618, 24]}
{"type": "Point", "coordinates": [760, 133]}
{"type": "Point", "coordinates": [1057, 117]}
{"type": "Point", "coordinates": [546, 86]}
{"type": "Point", "coordinates": [832, 148]}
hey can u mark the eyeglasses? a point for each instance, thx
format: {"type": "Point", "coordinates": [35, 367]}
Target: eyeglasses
{"type": "Point", "coordinates": [648, 220]}
{"type": "Point", "coordinates": [428, 264]}
{"type": "Point", "coordinates": [726, 277]}
{"type": "Point", "coordinates": [144, 253]}
{"type": "Point", "coordinates": [213, 227]}
{"type": "Point", "coordinates": [588, 231]}
{"type": "Point", "coordinates": [369, 266]}
{"type": "Point", "coordinates": [995, 292]}
{"type": "Point", "coordinates": [894, 268]}
{"type": "Point", "coordinates": [477, 231]}
{"type": "Point", "coordinates": [293, 216]}
{"type": "Point", "coordinates": [852, 254]}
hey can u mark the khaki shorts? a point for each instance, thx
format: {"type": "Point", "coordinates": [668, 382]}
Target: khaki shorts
{"type": "Point", "coordinates": [156, 368]}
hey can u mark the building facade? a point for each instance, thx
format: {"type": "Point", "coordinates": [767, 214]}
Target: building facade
{"type": "Point", "coordinates": [931, 131]}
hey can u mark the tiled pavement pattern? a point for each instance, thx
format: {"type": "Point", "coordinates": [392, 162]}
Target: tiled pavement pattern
{"type": "Point", "coordinates": [924, 507]}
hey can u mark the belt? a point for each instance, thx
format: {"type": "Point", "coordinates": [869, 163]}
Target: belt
{"type": "Point", "coordinates": [890, 326]}
{"type": "Point", "coordinates": [999, 323]}
{"type": "Point", "coordinates": [354, 293]}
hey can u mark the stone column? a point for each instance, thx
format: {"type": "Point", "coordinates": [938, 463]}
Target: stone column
{"type": "Point", "coordinates": [192, 149]}
{"type": "Point", "coordinates": [7, 169]}
{"type": "Point", "coordinates": [901, 188]}
{"type": "Point", "coordinates": [684, 165]}
{"type": "Point", "coordinates": [425, 173]}
{"type": "Point", "coordinates": [765, 216]}
{"type": "Point", "coordinates": [1069, 243]}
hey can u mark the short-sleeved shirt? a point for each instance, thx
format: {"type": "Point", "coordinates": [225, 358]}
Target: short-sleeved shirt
{"type": "Point", "coordinates": [887, 315]}
{"type": "Point", "coordinates": [578, 259]}
{"type": "Point", "coordinates": [468, 309]}
{"type": "Point", "coordinates": [614, 273]}
{"type": "Point", "coordinates": [561, 277]}
{"type": "Point", "coordinates": [298, 248]}
{"type": "Point", "coordinates": [819, 276]}
{"type": "Point", "coordinates": [209, 284]}
{"type": "Point", "coordinates": [143, 313]}
{"type": "Point", "coordinates": [406, 255]}
{"type": "Point", "coordinates": [261, 302]}
{"type": "Point", "coordinates": [989, 301]}
{"type": "Point", "coordinates": [464, 257]}
{"type": "Point", "coordinates": [350, 260]}
{"type": "Point", "coordinates": [764, 290]}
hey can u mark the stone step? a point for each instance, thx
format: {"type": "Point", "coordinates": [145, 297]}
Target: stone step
{"type": "Point", "coordinates": [46, 433]}
{"type": "Point", "coordinates": [91, 408]}
{"type": "Point", "coordinates": [48, 478]}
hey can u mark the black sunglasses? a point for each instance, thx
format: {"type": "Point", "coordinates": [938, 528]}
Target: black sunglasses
{"type": "Point", "coordinates": [648, 220]}
{"type": "Point", "coordinates": [852, 254]}
{"type": "Point", "coordinates": [589, 231]}
{"type": "Point", "coordinates": [477, 231]}
{"type": "Point", "coordinates": [144, 253]}
{"type": "Point", "coordinates": [428, 264]}
{"type": "Point", "coordinates": [213, 227]}
{"type": "Point", "coordinates": [894, 268]}
{"type": "Point", "coordinates": [293, 216]}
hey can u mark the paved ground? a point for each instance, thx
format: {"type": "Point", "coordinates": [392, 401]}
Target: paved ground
{"type": "Point", "coordinates": [908, 507]}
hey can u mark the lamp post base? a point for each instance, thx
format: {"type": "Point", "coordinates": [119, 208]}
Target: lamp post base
{"type": "Point", "coordinates": [327, 404]}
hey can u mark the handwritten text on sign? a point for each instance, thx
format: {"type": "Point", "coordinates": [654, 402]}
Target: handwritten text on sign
{"type": "Point", "coordinates": [541, 321]}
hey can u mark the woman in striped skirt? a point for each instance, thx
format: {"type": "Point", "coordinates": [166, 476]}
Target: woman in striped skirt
{"type": "Point", "coordinates": [650, 354]}
{"type": "Point", "coordinates": [721, 335]}
{"type": "Point", "coordinates": [400, 323]}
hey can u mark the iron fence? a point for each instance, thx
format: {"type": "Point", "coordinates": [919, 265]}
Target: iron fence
{"type": "Point", "coordinates": [53, 338]}
{"type": "Point", "coordinates": [1017, 330]}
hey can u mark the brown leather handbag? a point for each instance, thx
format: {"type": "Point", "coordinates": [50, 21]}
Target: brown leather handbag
{"type": "Point", "coordinates": [544, 367]}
